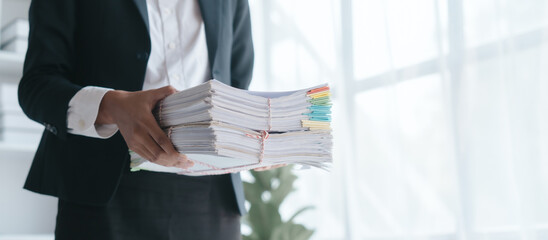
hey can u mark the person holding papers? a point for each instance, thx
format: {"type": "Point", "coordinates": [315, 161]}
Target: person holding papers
{"type": "Point", "coordinates": [94, 71]}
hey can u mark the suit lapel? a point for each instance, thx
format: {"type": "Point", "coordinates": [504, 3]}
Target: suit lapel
{"type": "Point", "coordinates": [212, 14]}
{"type": "Point", "coordinates": [142, 7]}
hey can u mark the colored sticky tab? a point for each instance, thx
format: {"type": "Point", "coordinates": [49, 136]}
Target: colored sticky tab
{"type": "Point", "coordinates": [320, 94]}
{"type": "Point", "coordinates": [321, 111]}
{"type": "Point", "coordinates": [326, 88]}
{"type": "Point", "coordinates": [319, 108]}
{"type": "Point", "coordinates": [316, 115]}
{"type": "Point", "coordinates": [320, 101]}
{"type": "Point", "coordinates": [316, 124]}
{"type": "Point", "coordinates": [321, 119]}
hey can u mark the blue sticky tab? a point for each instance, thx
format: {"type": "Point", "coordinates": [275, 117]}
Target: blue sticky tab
{"type": "Point", "coordinates": [321, 119]}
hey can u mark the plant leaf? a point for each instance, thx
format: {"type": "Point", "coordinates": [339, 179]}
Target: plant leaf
{"type": "Point", "coordinates": [291, 231]}
{"type": "Point", "coordinates": [253, 192]}
{"type": "Point", "coordinates": [249, 237]}
{"type": "Point", "coordinates": [263, 178]}
{"type": "Point", "coordinates": [287, 178]}
{"type": "Point", "coordinates": [303, 234]}
{"type": "Point", "coordinates": [263, 218]}
{"type": "Point", "coordinates": [299, 212]}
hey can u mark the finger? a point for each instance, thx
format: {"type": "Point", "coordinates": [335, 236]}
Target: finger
{"type": "Point", "coordinates": [260, 169]}
{"type": "Point", "coordinates": [160, 93]}
{"type": "Point", "coordinates": [185, 164]}
{"type": "Point", "coordinates": [161, 138]}
{"type": "Point", "coordinates": [143, 152]}
{"type": "Point", "coordinates": [156, 151]}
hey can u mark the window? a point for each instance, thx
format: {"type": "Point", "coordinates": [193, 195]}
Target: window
{"type": "Point", "coordinates": [441, 118]}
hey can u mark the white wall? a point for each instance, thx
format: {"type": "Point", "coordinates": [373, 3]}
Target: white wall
{"type": "Point", "coordinates": [22, 211]}
{"type": "Point", "coordinates": [23, 214]}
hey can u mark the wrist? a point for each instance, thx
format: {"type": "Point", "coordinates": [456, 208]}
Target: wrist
{"type": "Point", "coordinates": [108, 106]}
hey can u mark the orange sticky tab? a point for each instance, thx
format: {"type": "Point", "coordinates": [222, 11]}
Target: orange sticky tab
{"type": "Point", "coordinates": [318, 89]}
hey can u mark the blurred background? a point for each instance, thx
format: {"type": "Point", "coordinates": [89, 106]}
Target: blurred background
{"type": "Point", "coordinates": [440, 117]}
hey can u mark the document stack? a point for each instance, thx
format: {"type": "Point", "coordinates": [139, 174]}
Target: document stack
{"type": "Point", "coordinates": [225, 129]}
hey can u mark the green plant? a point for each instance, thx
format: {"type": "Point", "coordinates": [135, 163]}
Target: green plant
{"type": "Point", "coordinates": [265, 194]}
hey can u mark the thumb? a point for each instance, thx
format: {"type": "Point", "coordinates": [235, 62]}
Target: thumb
{"type": "Point", "coordinates": [160, 93]}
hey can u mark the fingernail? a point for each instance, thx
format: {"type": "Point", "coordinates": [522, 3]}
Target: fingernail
{"type": "Point", "coordinates": [185, 164]}
{"type": "Point", "coordinates": [182, 157]}
{"type": "Point", "coordinates": [188, 164]}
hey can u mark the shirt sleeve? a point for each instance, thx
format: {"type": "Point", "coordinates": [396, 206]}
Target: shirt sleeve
{"type": "Point", "coordinates": [82, 113]}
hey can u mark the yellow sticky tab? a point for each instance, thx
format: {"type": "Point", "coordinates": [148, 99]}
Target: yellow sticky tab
{"type": "Point", "coordinates": [316, 125]}
{"type": "Point", "coordinates": [320, 94]}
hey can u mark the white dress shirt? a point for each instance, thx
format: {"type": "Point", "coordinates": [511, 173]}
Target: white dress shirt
{"type": "Point", "coordinates": [178, 57]}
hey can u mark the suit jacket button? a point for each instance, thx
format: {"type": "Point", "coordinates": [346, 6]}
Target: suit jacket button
{"type": "Point", "coordinates": [53, 130]}
{"type": "Point", "coordinates": [142, 56]}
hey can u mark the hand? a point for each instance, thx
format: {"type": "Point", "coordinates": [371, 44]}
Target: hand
{"type": "Point", "coordinates": [132, 112]}
{"type": "Point", "coordinates": [269, 167]}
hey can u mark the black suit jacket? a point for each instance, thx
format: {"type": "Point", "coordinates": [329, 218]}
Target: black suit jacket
{"type": "Point", "coordinates": [76, 43]}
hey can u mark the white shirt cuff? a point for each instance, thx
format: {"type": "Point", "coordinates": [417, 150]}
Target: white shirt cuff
{"type": "Point", "coordinates": [82, 113]}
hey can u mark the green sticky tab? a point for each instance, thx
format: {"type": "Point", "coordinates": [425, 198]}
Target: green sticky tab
{"type": "Point", "coordinates": [322, 102]}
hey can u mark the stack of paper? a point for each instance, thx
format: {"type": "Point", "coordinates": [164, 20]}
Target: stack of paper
{"type": "Point", "coordinates": [273, 111]}
{"type": "Point", "coordinates": [224, 129]}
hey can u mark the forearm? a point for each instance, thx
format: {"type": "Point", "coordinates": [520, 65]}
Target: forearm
{"type": "Point", "coordinates": [47, 85]}
{"type": "Point", "coordinates": [45, 99]}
